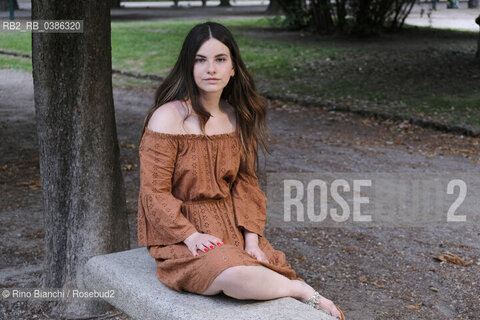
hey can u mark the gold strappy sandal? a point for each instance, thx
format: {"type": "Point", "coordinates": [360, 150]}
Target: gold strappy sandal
{"type": "Point", "coordinates": [313, 301]}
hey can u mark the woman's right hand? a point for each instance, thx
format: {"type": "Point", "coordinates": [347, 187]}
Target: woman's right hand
{"type": "Point", "coordinates": [201, 241]}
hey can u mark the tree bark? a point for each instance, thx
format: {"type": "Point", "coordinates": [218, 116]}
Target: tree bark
{"type": "Point", "coordinates": [322, 17]}
{"type": "Point", "coordinates": [478, 42]}
{"type": "Point", "coordinates": [341, 14]}
{"type": "Point", "coordinates": [224, 3]}
{"type": "Point", "coordinates": [82, 185]}
{"type": "Point", "coordinates": [115, 4]}
{"type": "Point", "coordinates": [5, 5]}
{"type": "Point", "coordinates": [274, 7]}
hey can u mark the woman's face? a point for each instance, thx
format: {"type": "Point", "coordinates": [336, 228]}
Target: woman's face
{"type": "Point", "coordinates": [212, 61]}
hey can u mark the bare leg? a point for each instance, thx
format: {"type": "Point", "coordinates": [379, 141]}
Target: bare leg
{"type": "Point", "coordinates": [260, 283]}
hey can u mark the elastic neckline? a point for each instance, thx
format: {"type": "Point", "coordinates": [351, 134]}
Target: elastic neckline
{"type": "Point", "coordinates": [191, 135]}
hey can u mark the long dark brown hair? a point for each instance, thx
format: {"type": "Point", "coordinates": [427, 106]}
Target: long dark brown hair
{"type": "Point", "coordinates": [240, 92]}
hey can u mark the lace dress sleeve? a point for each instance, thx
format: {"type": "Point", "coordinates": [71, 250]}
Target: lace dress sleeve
{"type": "Point", "coordinates": [160, 220]}
{"type": "Point", "coordinates": [249, 201]}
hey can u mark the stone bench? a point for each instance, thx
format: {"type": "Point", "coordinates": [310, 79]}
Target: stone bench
{"type": "Point", "coordinates": [141, 295]}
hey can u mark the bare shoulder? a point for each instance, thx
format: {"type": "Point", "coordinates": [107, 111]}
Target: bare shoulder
{"type": "Point", "coordinates": [167, 118]}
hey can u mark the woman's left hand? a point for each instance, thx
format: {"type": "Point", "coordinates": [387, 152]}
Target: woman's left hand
{"type": "Point", "coordinates": [256, 253]}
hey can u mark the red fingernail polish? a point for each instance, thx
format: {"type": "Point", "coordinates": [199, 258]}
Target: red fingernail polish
{"type": "Point", "coordinates": [211, 246]}
{"type": "Point", "coordinates": [196, 255]}
{"type": "Point", "coordinates": [218, 243]}
{"type": "Point", "coordinates": [206, 249]}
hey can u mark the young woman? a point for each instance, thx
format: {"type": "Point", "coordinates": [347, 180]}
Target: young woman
{"type": "Point", "coordinates": [201, 212]}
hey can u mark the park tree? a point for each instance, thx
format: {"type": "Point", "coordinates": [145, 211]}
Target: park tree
{"type": "Point", "coordinates": [361, 17]}
{"type": "Point", "coordinates": [115, 4]}
{"type": "Point", "coordinates": [224, 3]}
{"type": "Point", "coordinates": [478, 41]}
{"type": "Point", "coordinates": [82, 184]}
{"type": "Point", "coordinates": [273, 7]}
{"type": "Point", "coordinates": [5, 5]}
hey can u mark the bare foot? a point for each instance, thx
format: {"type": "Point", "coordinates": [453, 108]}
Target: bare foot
{"type": "Point", "coordinates": [324, 304]}
{"type": "Point", "coordinates": [329, 307]}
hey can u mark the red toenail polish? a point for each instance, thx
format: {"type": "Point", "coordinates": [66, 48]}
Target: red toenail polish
{"type": "Point", "coordinates": [218, 243]}
{"type": "Point", "coordinates": [206, 249]}
{"type": "Point", "coordinates": [211, 246]}
{"type": "Point", "coordinates": [196, 255]}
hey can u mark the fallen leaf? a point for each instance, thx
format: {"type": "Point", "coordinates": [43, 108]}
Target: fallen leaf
{"type": "Point", "coordinates": [433, 288]}
{"type": "Point", "coordinates": [124, 144]}
{"type": "Point", "coordinates": [448, 243]}
{"type": "Point", "coordinates": [302, 258]}
{"type": "Point", "coordinates": [453, 258]}
{"type": "Point", "coordinates": [348, 249]}
{"type": "Point", "coordinates": [362, 278]}
{"type": "Point", "coordinates": [415, 306]}
{"type": "Point", "coordinates": [378, 285]}
{"type": "Point", "coordinates": [32, 184]}
{"type": "Point", "coordinates": [129, 166]}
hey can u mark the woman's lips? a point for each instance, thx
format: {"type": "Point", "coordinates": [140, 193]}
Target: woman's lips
{"type": "Point", "coordinates": [211, 80]}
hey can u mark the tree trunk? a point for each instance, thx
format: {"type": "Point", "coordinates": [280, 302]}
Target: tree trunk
{"type": "Point", "coordinates": [296, 13]}
{"type": "Point", "coordinates": [322, 17]}
{"type": "Point", "coordinates": [5, 5]}
{"type": "Point", "coordinates": [478, 42]}
{"type": "Point", "coordinates": [472, 4]}
{"type": "Point", "coordinates": [82, 185]}
{"type": "Point", "coordinates": [341, 14]}
{"type": "Point", "coordinates": [224, 3]}
{"type": "Point", "coordinates": [274, 7]}
{"type": "Point", "coordinates": [204, 3]}
{"type": "Point", "coordinates": [115, 4]}
{"type": "Point", "coordinates": [362, 17]}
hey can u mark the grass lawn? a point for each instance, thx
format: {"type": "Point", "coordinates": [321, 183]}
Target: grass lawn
{"type": "Point", "coordinates": [424, 72]}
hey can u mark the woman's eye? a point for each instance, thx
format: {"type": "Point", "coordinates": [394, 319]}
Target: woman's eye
{"type": "Point", "coordinates": [219, 59]}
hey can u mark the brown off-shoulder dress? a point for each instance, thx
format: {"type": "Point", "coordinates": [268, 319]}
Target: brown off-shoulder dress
{"type": "Point", "coordinates": [189, 183]}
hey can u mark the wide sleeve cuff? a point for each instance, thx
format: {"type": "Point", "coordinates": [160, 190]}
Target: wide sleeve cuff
{"type": "Point", "coordinates": [249, 201]}
{"type": "Point", "coordinates": [163, 222]}
{"type": "Point", "coordinates": [160, 218]}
